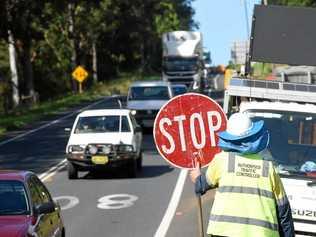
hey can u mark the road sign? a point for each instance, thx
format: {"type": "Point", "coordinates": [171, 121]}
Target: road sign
{"type": "Point", "coordinates": [80, 74]}
{"type": "Point", "coordinates": [185, 128]}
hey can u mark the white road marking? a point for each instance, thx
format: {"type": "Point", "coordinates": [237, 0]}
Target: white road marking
{"type": "Point", "coordinates": [72, 201]}
{"type": "Point", "coordinates": [173, 204]}
{"type": "Point", "coordinates": [52, 171]}
{"type": "Point", "coordinates": [48, 124]}
{"type": "Point", "coordinates": [116, 201]}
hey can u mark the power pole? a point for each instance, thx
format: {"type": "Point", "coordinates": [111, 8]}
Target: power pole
{"type": "Point", "coordinates": [265, 2]}
{"type": "Point", "coordinates": [247, 19]}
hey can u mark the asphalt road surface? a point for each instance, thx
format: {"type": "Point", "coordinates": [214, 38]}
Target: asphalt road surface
{"type": "Point", "coordinates": [159, 202]}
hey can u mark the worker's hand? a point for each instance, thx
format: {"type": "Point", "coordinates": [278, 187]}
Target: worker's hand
{"type": "Point", "coordinates": [196, 172]}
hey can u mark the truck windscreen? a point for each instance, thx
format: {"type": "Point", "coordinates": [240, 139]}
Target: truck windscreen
{"type": "Point", "coordinates": [180, 64]}
{"type": "Point", "coordinates": [292, 140]}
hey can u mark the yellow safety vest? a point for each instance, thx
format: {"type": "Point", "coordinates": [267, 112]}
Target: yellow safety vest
{"type": "Point", "coordinates": [245, 202]}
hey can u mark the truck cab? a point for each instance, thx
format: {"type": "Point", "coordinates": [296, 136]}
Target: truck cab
{"type": "Point", "coordinates": [289, 112]}
{"type": "Point", "coordinates": [182, 58]}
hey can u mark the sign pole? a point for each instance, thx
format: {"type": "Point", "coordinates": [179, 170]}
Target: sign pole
{"type": "Point", "coordinates": [200, 216]}
{"type": "Point", "coordinates": [80, 87]}
{"type": "Point", "coordinates": [199, 198]}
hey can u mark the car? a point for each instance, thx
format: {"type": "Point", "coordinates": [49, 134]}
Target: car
{"type": "Point", "coordinates": [104, 138]}
{"type": "Point", "coordinates": [146, 98]}
{"type": "Point", "coordinates": [179, 89]}
{"type": "Point", "coordinates": [26, 207]}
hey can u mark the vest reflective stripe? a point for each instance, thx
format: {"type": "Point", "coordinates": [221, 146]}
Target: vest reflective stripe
{"type": "Point", "coordinates": [243, 220]}
{"type": "Point", "coordinates": [231, 162]}
{"type": "Point", "coordinates": [265, 168]}
{"type": "Point", "coordinates": [246, 190]}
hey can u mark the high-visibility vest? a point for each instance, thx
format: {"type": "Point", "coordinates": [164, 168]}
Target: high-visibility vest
{"type": "Point", "coordinates": [248, 191]}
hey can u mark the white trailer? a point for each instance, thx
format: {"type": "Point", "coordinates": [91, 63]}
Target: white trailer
{"type": "Point", "coordinates": [183, 58]}
{"type": "Point", "coordinates": [289, 112]}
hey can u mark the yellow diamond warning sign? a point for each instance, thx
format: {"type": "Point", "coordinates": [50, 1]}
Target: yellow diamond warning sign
{"type": "Point", "coordinates": [80, 74]}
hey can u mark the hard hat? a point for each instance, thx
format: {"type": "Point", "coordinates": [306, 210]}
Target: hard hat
{"type": "Point", "coordinates": [240, 126]}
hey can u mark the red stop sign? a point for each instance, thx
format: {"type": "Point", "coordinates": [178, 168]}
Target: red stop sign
{"type": "Point", "coordinates": [185, 129]}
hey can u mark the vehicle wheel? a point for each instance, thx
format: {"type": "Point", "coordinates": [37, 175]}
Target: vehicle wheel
{"type": "Point", "coordinates": [140, 161]}
{"type": "Point", "coordinates": [72, 171]}
{"type": "Point", "coordinates": [132, 169]}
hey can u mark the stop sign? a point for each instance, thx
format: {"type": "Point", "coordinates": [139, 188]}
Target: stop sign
{"type": "Point", "coordinates": [185, 130]}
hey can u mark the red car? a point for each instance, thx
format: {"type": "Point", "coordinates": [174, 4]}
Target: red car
{"type": "Point", "coordinates": [27, 208]}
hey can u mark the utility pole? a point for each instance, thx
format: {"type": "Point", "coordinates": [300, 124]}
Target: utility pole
{"type": "Point", "coordinates": [265, 2]}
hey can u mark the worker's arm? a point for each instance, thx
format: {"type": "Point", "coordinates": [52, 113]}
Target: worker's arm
{"type": "Point", "coordinates": [286, 226]}
{"type": "Point", "coordinates": [204, 182]}
{"type": "Point", "coordinates": [201, 185]}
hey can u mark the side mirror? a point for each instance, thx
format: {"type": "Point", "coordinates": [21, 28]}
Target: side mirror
{"type": "Point", "coordinates": [138, 129]}
{"type": "Point", "coordinates": [67, 129]}
{"type": "Point", "coordinates": [45, 208]}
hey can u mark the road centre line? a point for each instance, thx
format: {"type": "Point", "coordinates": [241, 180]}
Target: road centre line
{"type": "Point", "coordinates": [52, 171]}
{"type": "Point", "coordinates": [173, 204]}
{"type": "Point", "coordinates": [49, 124]}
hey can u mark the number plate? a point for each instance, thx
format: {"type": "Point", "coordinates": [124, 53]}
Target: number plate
{"type": "Point", "coordinates": [100, 160]}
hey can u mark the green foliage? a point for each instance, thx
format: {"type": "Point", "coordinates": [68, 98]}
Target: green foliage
{"type": "Point", "coordinates": [53, 37]}
{"type": "Point", "coordinates": [305, 3]}
{"type": "Point", "coordinates": [168, 20]}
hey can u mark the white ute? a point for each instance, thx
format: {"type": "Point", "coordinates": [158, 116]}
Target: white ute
{"type": "Point", "coordinates": [102, 139]}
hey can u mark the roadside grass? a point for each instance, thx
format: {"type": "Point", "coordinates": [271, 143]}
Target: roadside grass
{"type": "Point", "coordinates": [20, 117]}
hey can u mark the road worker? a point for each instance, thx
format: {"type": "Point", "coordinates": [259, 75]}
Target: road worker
{"type": "Point", "coordinates": [250, 200]}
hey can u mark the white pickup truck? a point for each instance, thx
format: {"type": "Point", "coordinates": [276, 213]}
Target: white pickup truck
{"type": "Point", "coordinates": [289, 112]}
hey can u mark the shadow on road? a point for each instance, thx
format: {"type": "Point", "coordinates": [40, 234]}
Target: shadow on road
{"type": "Point", "coordinates": [146, 172]}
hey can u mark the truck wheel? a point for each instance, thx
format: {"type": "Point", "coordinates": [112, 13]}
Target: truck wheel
{"type": "Point", "coordinates": [72, 171]}
{"type": "Point", "coordinates": [140, 161]}
{"type": "Point", "coordinates": [132, 169]}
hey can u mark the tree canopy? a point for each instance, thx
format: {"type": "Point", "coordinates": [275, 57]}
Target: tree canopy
{"type": "Point", "coordinates": [105, 36]}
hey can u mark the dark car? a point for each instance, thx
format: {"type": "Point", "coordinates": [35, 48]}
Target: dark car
{"type": "Point", "coordinates": [27, 208]}
{"type": "Point", "coordinates": [179, 89]}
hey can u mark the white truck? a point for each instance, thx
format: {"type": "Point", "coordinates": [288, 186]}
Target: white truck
{"type": "Point", "coordinates": [289, 112]}
{"type": "Point", "coordinates": [182, 60]}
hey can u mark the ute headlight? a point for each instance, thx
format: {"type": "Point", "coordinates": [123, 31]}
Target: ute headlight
{"type": "Point", "coordinates": [106, 150]}
{"type": "Point", "coordinates": [76, 149]}
{"type": "Point", "coordinates": [93, 149]}
{"type": "Point", "coordinates": [125, 148]}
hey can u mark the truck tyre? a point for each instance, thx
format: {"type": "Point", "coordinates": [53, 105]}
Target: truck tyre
{"type": "Point", "coordinates": [140, 161]}
{"type": "Point", "coordinates": [132, 169]}
{"type": "Point", "coordinates": [72, 171]}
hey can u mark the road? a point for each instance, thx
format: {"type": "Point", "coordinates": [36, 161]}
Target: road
{"type": "Point", "coordinates": [108, 204]}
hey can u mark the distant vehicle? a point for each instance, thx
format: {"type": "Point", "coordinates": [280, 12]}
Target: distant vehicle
{"type": "Point", "coordinates": [106, 138]}
{"type": "Point", "coordinates": [27, 208]}
{"type": "Point", "coordinates": [179, 89]}
{"type": "Point", "coordinates": [146, 98]}
{"type": "Point", "coordinates": [182, 57]}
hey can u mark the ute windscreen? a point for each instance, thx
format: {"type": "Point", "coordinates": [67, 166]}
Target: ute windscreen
{"type": "Point", "coordinates": [285, 35]}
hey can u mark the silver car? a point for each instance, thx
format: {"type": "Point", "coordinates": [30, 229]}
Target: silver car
{"type": "Point", "coordinates": [146, 98]}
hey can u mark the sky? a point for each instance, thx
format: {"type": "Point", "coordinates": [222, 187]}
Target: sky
{"type": "Point", "coordinates": [221, 23]}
